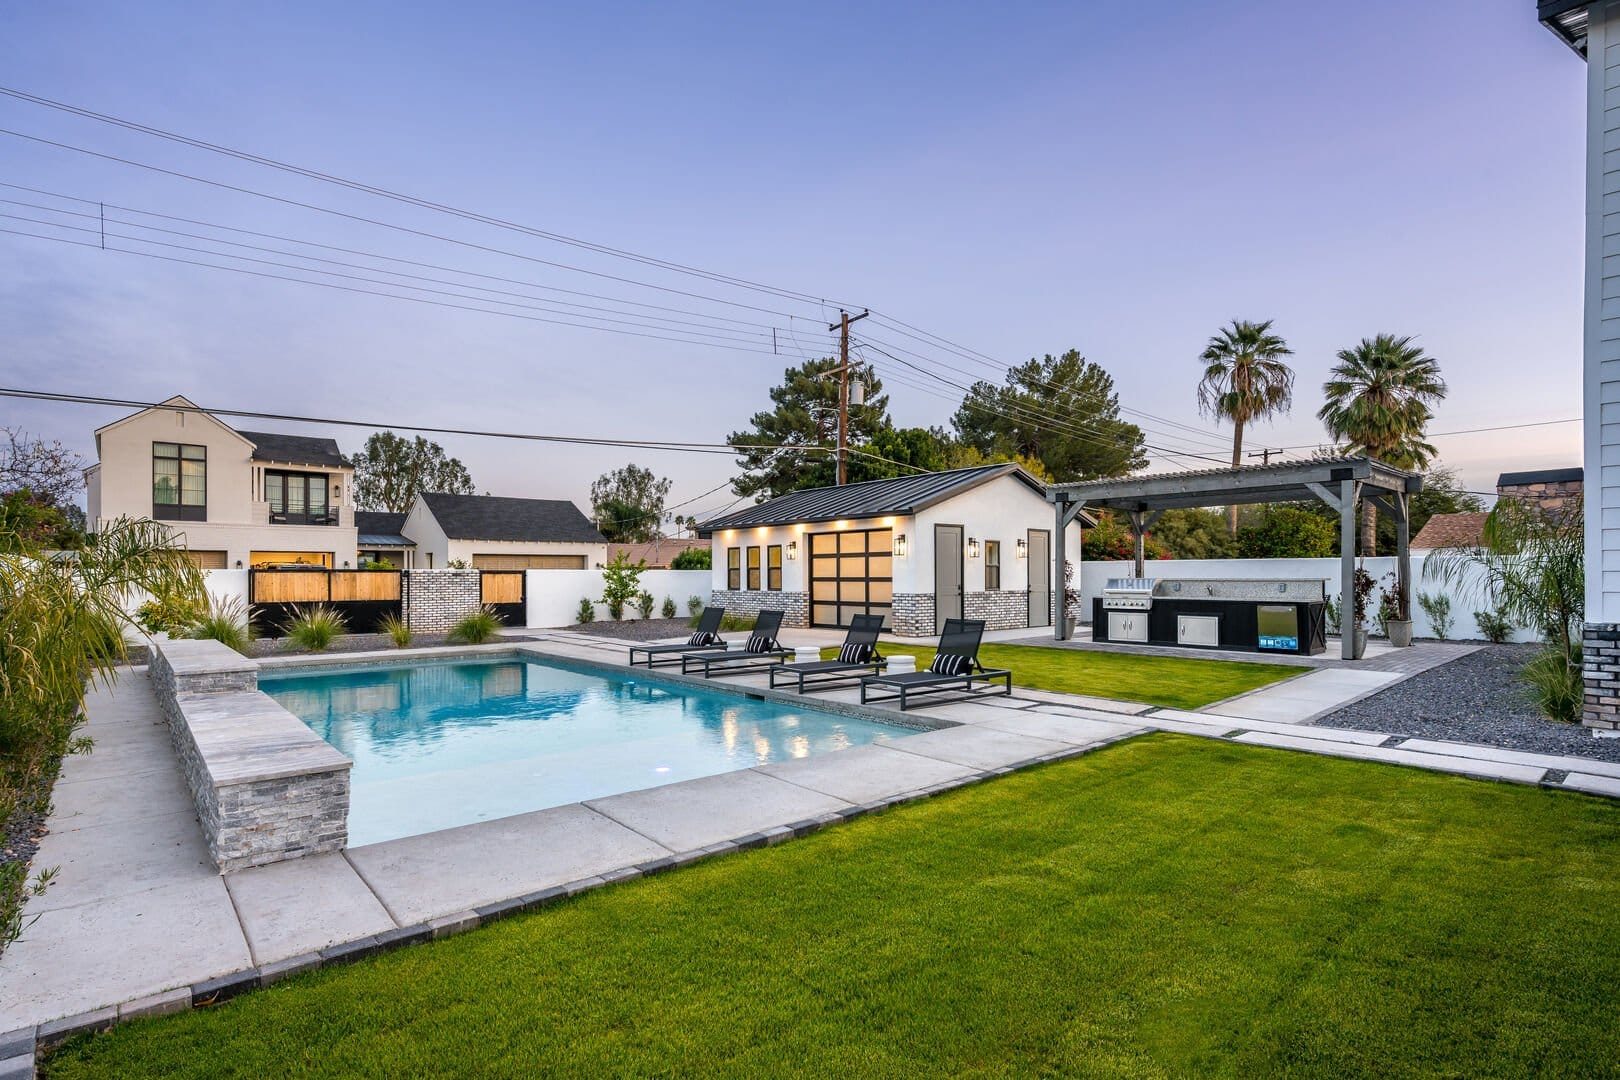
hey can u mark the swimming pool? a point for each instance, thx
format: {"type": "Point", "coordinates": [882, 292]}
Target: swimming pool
{"type": "Point", "coordinates": [440, 744]}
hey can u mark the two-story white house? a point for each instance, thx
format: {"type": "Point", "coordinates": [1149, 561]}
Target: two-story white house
{"type": "Point", "coordinates": [237, 498]}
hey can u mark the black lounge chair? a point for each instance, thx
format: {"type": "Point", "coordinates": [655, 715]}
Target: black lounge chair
{"type": "Point", "coordinates": [708, 626]}
{"type": "Point", "coordinates": [762, 650]}
{"type": "Point", "coordinates": [829, 674]}
{"type": "Point", "coordinates": [961, 639]}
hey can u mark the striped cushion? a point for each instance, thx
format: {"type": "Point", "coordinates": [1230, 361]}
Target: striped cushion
{"type": "Point", "coordinates": [855, 652]}
{"type": "Point", "coordinates": [703, 637]}
{"type": "Point", "coordinates": [760, 643]}
{"type": "Point", "coordinates": [950, 664]}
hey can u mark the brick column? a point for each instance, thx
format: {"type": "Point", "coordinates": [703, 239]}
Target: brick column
{"type": "Point", "coordinates": [1600, 656]}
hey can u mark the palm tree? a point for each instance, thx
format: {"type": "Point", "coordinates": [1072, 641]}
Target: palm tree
{"type": "Point", "coordinates": [1245, 379]}
{"type": "Point", "coordinates": [1379, 398]}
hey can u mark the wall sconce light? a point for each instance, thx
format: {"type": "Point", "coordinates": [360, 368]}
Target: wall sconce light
{"type": "Point", "coordinates": [899, 545]}
{"type": "Point", "coordinates": [792, 549]}
{"type": "Point", "coordinates": [973, 548]}
{"type": "Point", "coordinates": [239, 564]}
{"type": "Point", "coordinates": [345, 564]}
{"type": "Point", "coordinates": [1023, 549]}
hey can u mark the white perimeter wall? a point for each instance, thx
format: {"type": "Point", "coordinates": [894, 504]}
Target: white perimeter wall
{"type": "Point", "coordinates": [554, 595]}
{"type": "Point", "coordinates": [1094, 577]}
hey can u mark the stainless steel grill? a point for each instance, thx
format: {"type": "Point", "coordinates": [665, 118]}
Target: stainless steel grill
{"type": "Point", "coordinates": [1128, 594]}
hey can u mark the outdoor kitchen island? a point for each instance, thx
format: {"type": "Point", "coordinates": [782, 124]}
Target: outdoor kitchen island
{"type": "Point", "coordinates": [1257, 616]}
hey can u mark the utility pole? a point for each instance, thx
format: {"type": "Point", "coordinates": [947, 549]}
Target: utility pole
{"type": "Point", "coordinates": [842, 326]}
{"type": "Point", "coordinates": [1263, 455]}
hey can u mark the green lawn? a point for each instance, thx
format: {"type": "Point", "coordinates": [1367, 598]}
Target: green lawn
{"type": "Point", "coordinates": [1170, 681]}
{"type": "Point", "coordinates": [1163, 907]}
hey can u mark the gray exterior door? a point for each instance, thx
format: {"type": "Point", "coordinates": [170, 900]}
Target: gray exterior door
{"type": "Point", "coordinates": [1039, 561]}
{"type": "Point", "coordinates": [948, 573]}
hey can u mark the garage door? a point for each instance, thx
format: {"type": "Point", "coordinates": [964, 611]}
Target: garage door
{"type": "Point", "coordinates": [851, 573]}
{"type": "Point", "coordinates": [529, 562]}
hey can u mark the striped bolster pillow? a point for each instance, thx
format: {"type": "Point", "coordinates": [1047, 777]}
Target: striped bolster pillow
{"type": "Point", "coordinates": [703, 637]}
{"type": "Point", "coordinates": [854, 653]}
{"type": "Point", "coordinates": [761, 643]}
{"type": "Point", "coordinates": [950, 664]}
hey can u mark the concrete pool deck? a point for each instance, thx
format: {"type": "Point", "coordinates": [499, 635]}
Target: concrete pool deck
{"type": "Point", "coordinates": [139, 921]}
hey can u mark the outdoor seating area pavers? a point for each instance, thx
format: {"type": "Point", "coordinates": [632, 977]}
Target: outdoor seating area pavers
{"type": "Point", "coordinates": [140, 922]}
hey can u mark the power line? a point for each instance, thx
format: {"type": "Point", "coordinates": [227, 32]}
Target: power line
{"type": "Point", "coordinates": [412, 200]}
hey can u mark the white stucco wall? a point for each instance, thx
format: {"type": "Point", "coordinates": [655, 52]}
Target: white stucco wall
{"type": "Point", "coordinates": [1602, 337]}
{"type": "Point", "coordinates": [554, 595]}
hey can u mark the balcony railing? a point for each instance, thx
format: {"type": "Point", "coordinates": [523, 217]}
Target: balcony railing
{"type": "Point", "coordinates": [324, 517]}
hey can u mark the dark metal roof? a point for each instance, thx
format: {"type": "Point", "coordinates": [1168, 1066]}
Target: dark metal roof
{"type": "Point", "coordinates": [1567, 19]}
{"type": "Point", "coordinates": [872, 498]}
{"type": "Point", "coordinates": [1284, 482]}
{"type": "Point", "coordinates": [493, 517]}
{"type": "Point", "coordinates": [294, 449]}
{"type": "Point", "coordinates": [379, 528]}
{"type": "Point", "coordinates": [1541, 476]}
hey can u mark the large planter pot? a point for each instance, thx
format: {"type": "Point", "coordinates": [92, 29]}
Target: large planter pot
{"type": "Point", "coordinates": [1358, 646]}
{"type": "Point", "coordinates": [1400, 633]}
{"type": "Point", "coordinates": [1071, 622]}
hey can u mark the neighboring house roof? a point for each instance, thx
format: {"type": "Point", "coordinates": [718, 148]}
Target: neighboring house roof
{"type": "Point", "coordinates": [1541, 476]}
{"type": "Point", "coordinates": [294, 449]}
{"type": "Point", "coordinates": [378, 528]}
{"type": "Point", "coordinates": [656, 553]}
{"type": "Point", "coordinates": [493, 517]}
{"type": "Point", "coordinates": [1451, 530]}
{"type": "Point", "coordinates": [873, 498]}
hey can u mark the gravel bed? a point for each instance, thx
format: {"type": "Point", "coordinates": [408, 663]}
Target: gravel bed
{"type": "Point", "coordinates": [364, 643]}
{"type": "Point", "coordinates": [1476, 698]}
{"type": "Point", "coordinates": [636, 629]}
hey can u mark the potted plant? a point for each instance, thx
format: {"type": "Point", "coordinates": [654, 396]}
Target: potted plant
{"type": "Point", "coordinates": [1071, 601]}
{"type": "Point", "coordinates": [1364, 586]}
{"type": "Point", "coordinates": [1395, 613]}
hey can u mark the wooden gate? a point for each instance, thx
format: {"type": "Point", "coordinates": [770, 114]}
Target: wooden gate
{"type": "Point", "coordinates": [363, 597]}
{"type": "Point", "coordinates": [505, 592]}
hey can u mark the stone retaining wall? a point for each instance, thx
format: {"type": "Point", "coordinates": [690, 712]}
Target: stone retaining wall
{"type": "Point", "coordinates": [265, 786]}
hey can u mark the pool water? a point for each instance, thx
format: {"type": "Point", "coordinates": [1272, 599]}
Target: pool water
{"type": "Point", "coordinates": [440, 744]}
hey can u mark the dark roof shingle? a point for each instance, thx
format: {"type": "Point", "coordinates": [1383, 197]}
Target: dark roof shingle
{"type": "Point", "coordinates": [294, 449]}
{"type": "Point", "coordinates": [495, 517]}
{"type": "Point", "coordinates": [1451, 530]}
{"type": "Point", "coordinates": [378, 528]}
{"type": "Point", "coordinates": [873, 498]}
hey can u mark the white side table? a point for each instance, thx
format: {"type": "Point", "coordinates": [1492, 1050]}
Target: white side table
{"type": "Point", "coordinates": [901, 665]}
{"type": "Point", "coordinates": [806, 654]}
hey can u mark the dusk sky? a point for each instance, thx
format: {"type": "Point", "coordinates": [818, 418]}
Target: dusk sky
{"type": "Point", "coordinates": [1021, 179]}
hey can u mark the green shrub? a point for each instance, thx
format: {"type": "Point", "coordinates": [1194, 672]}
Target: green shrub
{"type": "Point", "coordinates": [225, 621]}
{"type": "Point", "coordinates": [458, 564]}
{"type": "Point", "coordinates": [694, 606]}
{"type": "Point", "coordinates": [644, 605]}
{"type": "Point", "coordinates": [315, 628]}
{"type": "Point", "coordinates": [1287, 532]}
{"type": "Point", "coordinates": [737, 622]}
{"type": "Point", "coordinates": [1494, 625]}
{"type": "Point", "coordinates": [1110, 541]}
{"type": "Point", "coordinates": [621, 584]}
{"type": "Point", "coordinates": [668, 610]}
{"type": "Point", "coordinates": [1555, 683]}
{"type": "Point", "coordinates": [475, 627]}
{"type": "Point", "coordinates": [397, 630]}
{"type": "Point", "coordinates": [1438, 608]}
{"type": "Point", "coordinates": [586, 612]}
{"type": "Point", "coordinates": [171, 615]}
{"type": "Point", "coordinates": [378, 564]}
{"type": "Point", "coordinates": [693, 559]}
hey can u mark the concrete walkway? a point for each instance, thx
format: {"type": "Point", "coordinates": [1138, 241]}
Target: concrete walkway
{"type": "Point", "coordinates": [138, 920]}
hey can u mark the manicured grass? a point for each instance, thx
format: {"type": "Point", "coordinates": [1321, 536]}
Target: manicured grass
{"type": "Point", "coordinates": [1163, 907]}
{"type": "Point", "coordinates": [1171, 681]}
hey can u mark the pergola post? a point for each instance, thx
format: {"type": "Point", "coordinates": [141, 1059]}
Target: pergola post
{"type": "Point", "coordinates": [1403, 552]}
{"type": "Point", "coordinates": [1060, 556]}
{"type": "Point", "coordinates": [1141, 521]}
{"type": "Point", "coordinates": [1347, 569]}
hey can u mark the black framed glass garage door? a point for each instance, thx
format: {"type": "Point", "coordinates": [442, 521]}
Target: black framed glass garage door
{"type": "Point", "coordinates": [851, 573]}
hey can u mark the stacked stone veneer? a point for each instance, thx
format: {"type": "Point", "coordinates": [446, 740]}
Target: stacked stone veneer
{"type": "Point", "coordinates": [266, 787]}
{"type": "Point", "coordinates": [1600, 658]}
{"type": "Point", "coordinates": [794, 605]}
{"type": "Point", "coordinates": [435, 599]}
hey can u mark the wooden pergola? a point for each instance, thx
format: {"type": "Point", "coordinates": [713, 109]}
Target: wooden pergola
{"type": "Point", "coordinates": [1340, 482]}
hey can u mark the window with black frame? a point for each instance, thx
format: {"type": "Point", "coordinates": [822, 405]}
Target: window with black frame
{"type": "Point", "coordinates": [734, 569]}
{"type": "Point", "coordinates": [773, 568]}
{"type": "Point", "coordinates": [179, 482]}
{"type": "Point", "coordinates": [992, 565]}
{"type": "Point", "coordinates": [298, 498]}
{"type": "Point", "coordinates": [753, 569]}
